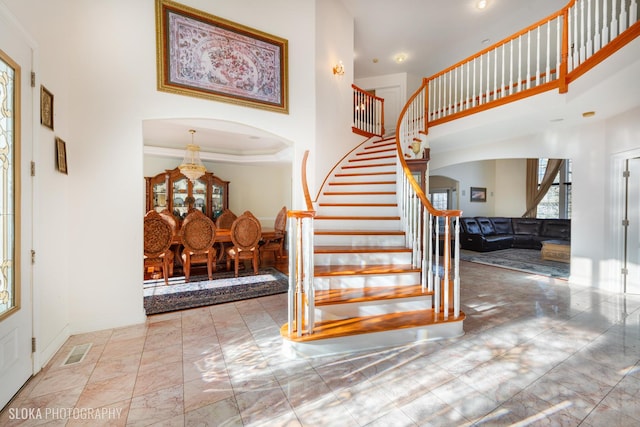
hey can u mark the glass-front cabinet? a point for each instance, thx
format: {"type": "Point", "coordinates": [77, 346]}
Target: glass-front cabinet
{"type": "Point", "coordinates": [173, 191]}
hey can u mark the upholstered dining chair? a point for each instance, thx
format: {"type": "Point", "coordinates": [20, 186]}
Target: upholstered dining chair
{"type": "Point", "coordinates": [276, 244]}
{"type": "Point", "coordinates": [224, 221]}
{"type": "Point", "coordinates": [246, 233]}
{"type": "Point", "coordinates": [175, 229]}
{"type": "Point", "coordinates": [157, 241]}
{"type": "Point", "coordinates": [198, 234]}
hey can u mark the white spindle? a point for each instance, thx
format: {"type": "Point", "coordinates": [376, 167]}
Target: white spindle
{"type": "Point", "coordinates": [605, 23]}
{"type": "Point", "coordinates": [519, 62]}
{"type": "Point", "coordinates": [582, 33]}
{"type": "Point", "coordinates": [623, 17]}
{"type": "Point", "coordinates": [467, 104]}
{"type": "Point", "coordinates": [307, 245]}
{"type": "Point", "coordinates": [446, 268]}
{"type": "Point", "coordinates": [574, 46]}
{"type": "Point", "coordinates": [528, 83]}
{"type": "Point", "coordinates": [436, 268]}
{"type": "Point", "coordinates": [473, 96]}
{"type": "Point", "coordinates": [495, 74]}
{"type": "Point", "coordinates": [547, 71]}
{"type": "Point", "coordinates": [597, 38]}
{"type": "Point", "coordinates": [456, 268]}
{"type": "Point", "coordinates": [455, 91]}
{"type": "Point", "coordinates": [502, 87]}
{"type": "Point", "coordinates": [450, 94]}
{"type": "Point", "coordinates": [614, 19]}
{"type": "Point", "coordinates": [429, 270]}
{"type": "Point", "coordinates": [633, 15]}
{"type": "Point", "coordinates": [511, 61]}
{"type": "Point", "coordinates": [480, 90]}
{"type": "Point", "coordinates": [589, 35]}
{"type": "Point", "coordinates": [488, 93]}
{"type": "Point", "coordinates": [538, 57]}
{"type": "Point", "coordinates": [558, 46]}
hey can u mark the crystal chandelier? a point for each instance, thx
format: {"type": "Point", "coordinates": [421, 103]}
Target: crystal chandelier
{"type": "Point", "coordinates": [192, 166]}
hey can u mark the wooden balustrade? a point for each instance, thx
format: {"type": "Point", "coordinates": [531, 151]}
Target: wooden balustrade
{"type": "Point", "coordinates": [539, 58]}
{"type": "Point", "coordinates": [368, 113]}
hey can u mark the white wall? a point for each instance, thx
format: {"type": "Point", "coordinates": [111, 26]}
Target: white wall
{"type": "Point", "coordinates": [99, 60]}
{"type": "Point", "coordinates": [334, 95]}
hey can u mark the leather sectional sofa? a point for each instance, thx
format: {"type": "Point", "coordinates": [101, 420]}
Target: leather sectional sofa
{"type": "Point", "coordinates": [483, 234]}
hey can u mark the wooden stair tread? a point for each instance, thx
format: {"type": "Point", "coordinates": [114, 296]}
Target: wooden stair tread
{"type": "Point", "coordinates": [363, 183]}
{"type": "Point", "coordinates": [359, 232]}
{"type": "Point", "coordinates": [358, 249]}
{"type": "Point", "coordinates": [342, 175]}
{"type": "Point", "coordinates": [358, 295]}
{"type": "Point", "coordinates": [377, 205]}
{"type": "Point", "coordinates": [372, 324]}
{"type": "Point", "coordinates": [370, 165]}
{"type": "Point", "coordinates": [359, 218]}
{"type": "Point", "coordinates": [341, 270]}
{"type": "Point", "coordinates": [358, 193]}
{"type": "Point", "coordinates": [393, 156]}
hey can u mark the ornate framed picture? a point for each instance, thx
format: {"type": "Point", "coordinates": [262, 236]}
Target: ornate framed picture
{"type": "Point", "coordinates": [206, 56]}
{"type": "Point", "coordinates": [61, 155]}
{"type": "Point", "coordinates": [46, 107]}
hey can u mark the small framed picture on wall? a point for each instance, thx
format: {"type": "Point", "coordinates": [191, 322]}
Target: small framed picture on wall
{"type": "Point", "coordinates": [478, 194]}
{"type": "Point", "coordinates": [61, 155]}
{"type": "Point", "coordinates": [46, 107]}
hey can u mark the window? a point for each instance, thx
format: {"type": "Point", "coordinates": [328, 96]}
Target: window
{"type": "Point", "coordinates": [557, 202]}
{"type": "Point", "coordinates": [440, 199]}
{"type": "Point", "coordinates": [9, 78]}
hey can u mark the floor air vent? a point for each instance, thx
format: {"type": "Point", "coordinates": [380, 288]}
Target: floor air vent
{"type": "Point", "coordinates": [77, 354]}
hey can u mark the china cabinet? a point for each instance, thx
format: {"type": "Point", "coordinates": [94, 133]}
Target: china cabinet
{"type": "Point", "coordinates": [172, 190]}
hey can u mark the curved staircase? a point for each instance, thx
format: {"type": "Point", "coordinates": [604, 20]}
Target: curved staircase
{"type": "Point", "coordinates": [367, 293]}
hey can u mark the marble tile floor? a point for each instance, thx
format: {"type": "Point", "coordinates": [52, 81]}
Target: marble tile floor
{"type": "Point", "coordinates": [536, 352]}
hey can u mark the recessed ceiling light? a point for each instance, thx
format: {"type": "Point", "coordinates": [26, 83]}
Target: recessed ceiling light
{"type": "Point", "coordinates": [400, 58]}
{"type": "Point", "coordinates": [486, 41]}
{"type": "Point", "coordinates": [375, 60]}
{"type": "Point", "coordinates": [588, 114]}
{"type": "Point", "coordinates": [481, 4]}
{"type": "Point", "coordinates": [556, 120]}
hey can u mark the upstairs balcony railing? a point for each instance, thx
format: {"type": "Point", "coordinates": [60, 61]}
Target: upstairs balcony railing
{"type": "Point", "coordinates": [368, 113]}
{"type": "Point", "coordinates": [547, 55]}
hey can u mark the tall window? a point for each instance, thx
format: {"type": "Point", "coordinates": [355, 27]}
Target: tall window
{"type": "Point", "coordinates": [557, 202]}
{"type": "Point", "coordinates": [9, 72]}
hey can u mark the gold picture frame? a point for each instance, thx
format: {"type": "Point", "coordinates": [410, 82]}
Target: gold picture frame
{"type": "Point", "coordinates": [206, 56]}
{"type": "Point", "coordinates": [61, 156]}
{"type": "Point", "coordinates": [46, 107]}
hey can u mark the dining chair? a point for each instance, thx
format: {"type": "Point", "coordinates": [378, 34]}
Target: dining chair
{"type": "Point", "coordinates": [246, 233]}
{"type": "Point", "coordinates": [175, 229]}
{"type": "Point", "coordinates": [198, 234]}
{"type": "Point", "coordinates": [276, 243]}
{"type": "Point", "coordinates": [224, 221]}
{"type": "Point", "coordinates": [157, 241]}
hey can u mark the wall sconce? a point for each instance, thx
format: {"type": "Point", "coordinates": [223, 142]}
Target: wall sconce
{"type": "Point", "coordinates": [338, 69]}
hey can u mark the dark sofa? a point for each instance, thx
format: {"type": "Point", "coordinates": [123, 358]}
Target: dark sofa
{"type": "Point", "coordinates": [483, 234]}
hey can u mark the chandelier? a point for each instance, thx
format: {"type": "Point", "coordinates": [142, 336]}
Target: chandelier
{"type": "Point", "coordinates": [192, 166]}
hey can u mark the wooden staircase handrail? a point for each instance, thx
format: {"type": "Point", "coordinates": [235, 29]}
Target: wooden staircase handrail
{"type": "Point", "coordinates": [305, 185]}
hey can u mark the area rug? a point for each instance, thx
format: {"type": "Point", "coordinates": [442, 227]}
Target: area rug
{"type": "Point", "coordinates": [527, 260]}
{"type": "Point", "coordinates": [178, 295]}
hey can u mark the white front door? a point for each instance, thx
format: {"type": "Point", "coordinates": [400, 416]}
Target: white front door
{"type": "Point", "coordinates": [632, 238]}
{"type": "Point", "coordinates": [16, 118]}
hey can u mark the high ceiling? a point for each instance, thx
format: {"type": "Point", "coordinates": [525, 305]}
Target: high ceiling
{"type": "Point", "coordinates": [432, 34]}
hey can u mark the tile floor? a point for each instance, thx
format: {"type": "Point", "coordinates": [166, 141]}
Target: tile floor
{"type": "Point", "coordinates": [536, 352]}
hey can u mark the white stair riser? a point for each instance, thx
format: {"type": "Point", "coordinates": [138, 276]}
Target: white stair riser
{"type": "Point", "coordinates": [356, 211]}
{"type": "Point", "coordinates": [366, 281]}
{"type": "Point", "coordinates": [358, 240]}
{"type": "Point", "coordinates": [371, 308]}
{"type": "Point", "coordinates": [385, 339]}
{"type": "Point", "coordinates": [358, 198]}
{"type": "Point", "coordinates": [359, 224]}
{"type": "Point", "coordinates": [380, 258]}
{"type": "Point", "coordinates": [360, 187]}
